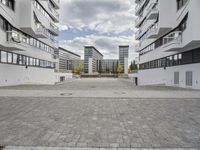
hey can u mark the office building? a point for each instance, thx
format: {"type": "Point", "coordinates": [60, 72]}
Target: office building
{"type": "Point", "coordinates": [123, 57]}
{"type": "Point", "coordinates": [92, 57]}
{"type": "Point", "coordinates": [27, 41]}
{"type": "Point", "coordinates": [169, 42]}
{"type": "Point", "coordinates": [108, 66]}
{"type": "Point", "coordinates": [67, 60]}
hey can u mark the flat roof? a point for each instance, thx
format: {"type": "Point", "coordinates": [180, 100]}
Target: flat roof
{"type": "Point", "coordinates": [123, 45]}
{"type": "Point", "coordinates": [93, 48]}
{"type": "Point", "coordinates": [69, 51]}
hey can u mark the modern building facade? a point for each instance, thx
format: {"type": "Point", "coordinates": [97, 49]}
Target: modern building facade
{"type": "Point", "coordinates": [27, 41]}
{"type": "Point", "coordinates": [123, 57]}
{"type": "Point", "coordinates": [108, 65]}
{"type": "Point", "coordinates": [67, 60]}
{"type": "Point", "coordinates": [169, 42]}
{"type": "Point", "coordinates": [92, 57]}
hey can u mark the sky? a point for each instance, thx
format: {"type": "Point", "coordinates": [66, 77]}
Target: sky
{"type": "Point", "coordinates": [105, 24]}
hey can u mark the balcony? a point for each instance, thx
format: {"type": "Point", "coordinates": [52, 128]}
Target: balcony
{"type": "Point", "coordinates": [137, 34]}
{"type": "Point", "coordinates": [16, 41]}
{"type": "Point", "coordinates": [54, 14]}
{"type": "Point", "coordinates": [137, 47]}
{"type": "Point", "coordinates": [138, 21]}
{"type": "Point", "coordinates": [41, 31]}
{"type": "Point", "coordinates": [172, 41]}
{"type": "Point", "coordinates": [20, 42]}
{"type": "Point", "coordinates": [152, 11]}
{"type": "Point", "coordinates": [139, 6]}
{"type": "Point", "coordinates": [54, 29]}
{"type": "Point", "coordinates": [153, 31]}
{"type": "Point", "coordinates": [56, 3]}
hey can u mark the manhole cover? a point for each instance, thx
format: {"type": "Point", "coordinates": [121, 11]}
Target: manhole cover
{"type": "Point", "coordinates": [66, 94]}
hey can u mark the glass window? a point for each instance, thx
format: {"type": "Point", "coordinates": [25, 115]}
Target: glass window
{"type": "Point", "coordinates": [175, 60]}
{"type": "Point", "coordinates": [24, 60]}
{"type": "Point", "coordinates": [3, 56]}
{"type": "Point", "coordinates": [19, 59]}
{"type": "Point", "coordinates": [27, 60]}
{"type": "Point", "coordinates": [9, 57]}
{"type": "Point", "coordinates": [14, 58]}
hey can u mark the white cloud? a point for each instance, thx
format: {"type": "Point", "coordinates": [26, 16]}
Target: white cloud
{"type": "Point", "coordinates": [108, 46]}
{"type": "Point", "coordinates": [113, 17]}
{"type": "Point", "coordinates": [100, 15]}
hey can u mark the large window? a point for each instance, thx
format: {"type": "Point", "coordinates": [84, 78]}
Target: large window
{"type": "Point", "coordinates": [18, 59]}
{"type": "Point", "coordinates": [3, 57]}
{"type": "Point", "coordinates": [9, 57]}
{"type": "Point", "coordinates": [188, 57]}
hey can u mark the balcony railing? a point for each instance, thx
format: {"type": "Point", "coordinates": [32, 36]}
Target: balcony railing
{"type": "Point", "coordinates": [53, 11]}
{"type": "Point", "coordinates": [54, 27]}
{"type": "Point", "coordinates": [152, 30]}
{"type": "Point", "coordinates": [174, 37]}
{"type": "Point", "coordinates": [137, 8]}
{"type": "Point", "coordinates": [14, 36]}
{"type": "Point", "coordinates": [138, 20]}
{"type": "Point", "coordinates": [17, 37]}
{"type": "Point", "coordinates": [153, 8]}
{"type": "Point", "coordinates": [41, 29]}
{"type": "Point", "coordinates": [138, 33]}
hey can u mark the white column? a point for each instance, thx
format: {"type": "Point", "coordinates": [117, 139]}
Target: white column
{"type": "Point", "coordinates": [125, 65]}
{"type": "Point", "coordinates": [90, 70]}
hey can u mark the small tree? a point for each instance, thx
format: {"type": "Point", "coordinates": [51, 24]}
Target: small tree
{"type": "Point", "coordinates": [77, 69]}
{"type": "Point", "coordinates": [133, 66]}
{"type": "Point", "coordinates": [119, 69]}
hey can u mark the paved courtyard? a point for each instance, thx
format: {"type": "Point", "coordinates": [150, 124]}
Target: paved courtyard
{"type": "Point", "coordinates": [111, 113]}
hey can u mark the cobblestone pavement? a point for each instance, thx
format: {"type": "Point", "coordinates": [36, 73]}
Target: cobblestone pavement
{"type": "Point", "coordinates": [113, 122]}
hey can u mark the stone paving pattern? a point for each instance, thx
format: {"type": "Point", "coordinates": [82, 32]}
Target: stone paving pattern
{"type": "Point", "coordinates": [115, 122]}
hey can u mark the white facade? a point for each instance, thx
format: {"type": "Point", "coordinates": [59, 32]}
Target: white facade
{"type": "Point", "coordinates": [125, 65]}
{"type": "Point", "coordinates": [169, 42]}
{"type": "Point", "coordinates": [27, 41]}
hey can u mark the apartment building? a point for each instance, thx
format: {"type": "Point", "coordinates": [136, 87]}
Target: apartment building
{"type": "Point", "coordinates": [67, 60]}
{"type": "Point", "coordinates": [123, 57]}
{"type": "Point", "coordinates": [108, 65]}
{"type": "Point", "coordinates": [169, 42]}
{"type": "Point", "coordinates": [27, 42]}
{"type": "Point", "coordinates": [92, 57]}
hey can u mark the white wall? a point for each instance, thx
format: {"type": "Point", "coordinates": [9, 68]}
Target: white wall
{"type": "Point", "coordinates": [151, 76]}
{"type": "Point", "coordinates": [15, 75]}
{"type": "Point", "coordinates": [195, 68]}
{"type": "Point", "coordinates": [166, 76]}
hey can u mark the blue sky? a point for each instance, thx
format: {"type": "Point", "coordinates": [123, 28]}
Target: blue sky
{"type": "Point", "coordinates": [105, 24]}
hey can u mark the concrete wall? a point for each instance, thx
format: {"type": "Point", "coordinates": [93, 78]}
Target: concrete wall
{"type": "Point", "coordinates": [16, 75]}
{"type": "Point", "coordinates": [166, 76]}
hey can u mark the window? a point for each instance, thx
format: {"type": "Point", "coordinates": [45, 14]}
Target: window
{"type": "Point", "coordinates": [9, 57]}
{"type": "Point", "coordinates": [19, 59]}
{"type": "Point", "coordinates": [31, 61]}
{"type": "Point", "coordinates": [3, 56]}
{"type": "Point", "coordinates": [14, 58]}
{"type": "Point", "coordinates": [175, 62]}
{"type": "Point", "coordinates": [27, 61]}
